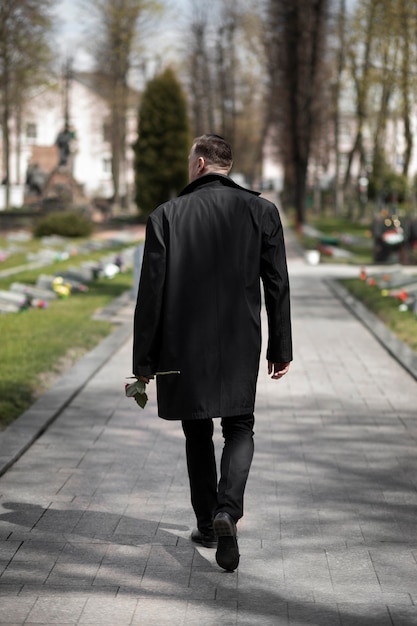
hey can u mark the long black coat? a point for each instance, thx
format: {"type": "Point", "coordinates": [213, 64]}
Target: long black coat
{"type": "Point", "coordinates": [199, 299]}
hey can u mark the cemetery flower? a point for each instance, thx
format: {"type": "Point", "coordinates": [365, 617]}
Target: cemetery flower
{"type": "Point", "coordinates": [61, 288]}
{"type": "Point", "coordinates": [137, 389]}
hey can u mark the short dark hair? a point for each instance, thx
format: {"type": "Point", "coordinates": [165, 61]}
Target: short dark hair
{"type": "Point", "coordinates": [214, 149]}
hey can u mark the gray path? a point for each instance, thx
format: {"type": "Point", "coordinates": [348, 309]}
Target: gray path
{"type": "Point", "coordinates": [95, 516]}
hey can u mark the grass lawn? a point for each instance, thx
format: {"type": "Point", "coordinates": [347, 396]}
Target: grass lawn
{"type": "Point", "coordinates": [37, 345]}
{"type": "Point", "coordinates": [353, 237]}
{"type": "Point", "coordinates": [402, 323]}
{"type": "Point", "coordinates": [39, 342]}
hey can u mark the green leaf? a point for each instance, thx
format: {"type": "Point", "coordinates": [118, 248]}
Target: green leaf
{"type": "Point", "coordinates": [141, 399]}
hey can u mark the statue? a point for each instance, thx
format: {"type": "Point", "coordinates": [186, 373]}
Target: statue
{"type": "Point", "coordinates": [63, 142]}
{"type": "Point", "coordinates": [35, 179]}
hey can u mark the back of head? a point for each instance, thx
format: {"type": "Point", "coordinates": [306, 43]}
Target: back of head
{"type": "Point", "coordinates": [214, 149]}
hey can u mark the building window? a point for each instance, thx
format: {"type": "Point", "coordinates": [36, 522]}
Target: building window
{"type": "Point", "coordinates": [31, 130]}
{"type": "Point", "coordinates": [107, 165]}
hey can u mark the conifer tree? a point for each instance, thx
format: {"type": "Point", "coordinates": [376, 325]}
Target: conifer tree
{"type": "Point", "coordinates": [161, 150]}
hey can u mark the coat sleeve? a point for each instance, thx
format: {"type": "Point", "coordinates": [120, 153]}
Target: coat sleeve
{"type": "Point", "coordinates": [147, 318]}
{"type": "Point", "coordinates": [274, 275]}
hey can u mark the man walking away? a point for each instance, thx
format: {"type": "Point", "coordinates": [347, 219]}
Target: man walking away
{"type": "Point", "coordinates": [197, 321]}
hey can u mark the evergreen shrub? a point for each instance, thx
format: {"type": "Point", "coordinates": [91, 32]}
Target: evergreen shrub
{"type": "Point", "coordinates": [65, 224]}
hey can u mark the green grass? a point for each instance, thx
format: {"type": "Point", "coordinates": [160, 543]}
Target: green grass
{"type": "Point", "coordinates": [34, 342]}
{"type": "Point", "coordinates": [30, 276]}
{"type": "Point", "coordinates": [37, 345]}
{"type": "Point", "coordinates": [402, 323]}
{"type": "Point", "coordinates": [332, 225]}
{"type": "Point", "coordinates": [336, 227]}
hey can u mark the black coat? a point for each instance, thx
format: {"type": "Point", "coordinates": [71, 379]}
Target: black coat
{"type": "Point", "coordinates": [199, 299]}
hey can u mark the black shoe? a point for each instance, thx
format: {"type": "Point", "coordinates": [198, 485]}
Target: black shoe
{"type": "Point", "coordinates": [227, 555]}
{"type": "Point", "coordinates": [208, 540]}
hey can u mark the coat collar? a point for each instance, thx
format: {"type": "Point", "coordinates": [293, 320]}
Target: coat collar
{"type": "Point", "coordinates": [211, 178]}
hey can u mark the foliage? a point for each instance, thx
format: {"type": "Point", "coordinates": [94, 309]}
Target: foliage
{"type": "Point", "coordinates": [224, 72]}
{"type": "Point", "coordinates": [296, 38]}
{"type": "Point", "coordinates": [385, 183]}
{"type": "Point", "coordinates": [64, 223]}
{"type": "Point", "coordinates": [115, 46]}
{"type": "Point", "coordinates": [161, 151]}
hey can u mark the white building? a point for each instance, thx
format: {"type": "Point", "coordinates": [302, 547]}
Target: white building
{"type": "Point", "coordinates": [88, 114]}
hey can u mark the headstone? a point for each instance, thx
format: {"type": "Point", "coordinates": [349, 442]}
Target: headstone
{"type": "Point", "coordinates": [53, 240]}
{"type": "Point", "coordinates": [14, 301]}
{"type": "Point", "coordinates": [45, 255]}
{"type": "Point", "coordinates": [9, 307]}
{"type": "Point", "coordinates": [20, 236]}
{"type": "Point", "coordinates": [45, 282]}
{"type": "Point", "coordinates": [33, 291]}
{"type": "Point", "coordinates": [72, 279]}
{"type": "Point", "coordinates": [91, 270]}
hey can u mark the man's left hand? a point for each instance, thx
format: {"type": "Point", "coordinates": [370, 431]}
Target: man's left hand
{"type": "Point", "coordinates": [278, 370]}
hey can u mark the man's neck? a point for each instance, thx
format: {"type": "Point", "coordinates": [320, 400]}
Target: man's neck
{"type": "Point", "coordinates": [216, 170]}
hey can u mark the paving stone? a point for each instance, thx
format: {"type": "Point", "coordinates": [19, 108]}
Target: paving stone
{"type": "Point", "coordinates": [14, 610]}
{"type": "Point", "coordinates": [207, 613]}
{"type": "Point", "coordinates": [301, 614]}
{"type": "Point", "coordinates": [264, 609]}
{"type": "Point", "coordinates": [159, 612]}
{"type": "Point", "coordinates": [69, 590]}
{"type": "Point", "coordinates": [403, 616]}
{"type": "Point", "coordinates": [56, 610]}
{"type": "Point", "coordinates": [365, 615]}
{"type": "Point", "coordinates": [395, 567]}
{"type": "Point", "coordinates": [118, 611]}
{"type": "Point", "coordinates": [10, 590]}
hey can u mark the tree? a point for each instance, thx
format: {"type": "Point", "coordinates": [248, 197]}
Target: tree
{"type": "Point", "coordinates": [224, 64]}
{"type": "Point", "coordinates": [114, 50]}
{"type": "Point", "coordinates": [407, 26]}
{"type": "Point", "coordinates": [382, 67]}
{"type": "Point", "coordinates": [161, 150]}
{"type": "Point", "coordinates": [24, 56]}
{"type": "Point", "coordinates": [201, 93]}
{"type": "Point", "coordinates": [340, 60]}
{"type": "Point", "coordinates": [296, 38]}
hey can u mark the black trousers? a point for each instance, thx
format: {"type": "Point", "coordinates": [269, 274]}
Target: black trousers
{"type": "Point", "coordinates": [208, 497]}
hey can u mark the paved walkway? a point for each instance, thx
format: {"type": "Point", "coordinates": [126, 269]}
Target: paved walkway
{"type": "Point", "coordinates": [95, 515]}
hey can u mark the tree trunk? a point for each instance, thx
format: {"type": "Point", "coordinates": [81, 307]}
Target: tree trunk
{"type": "Point", "coordinates": [405, 73]}
{"type": "Point", "coordinates": [6, 140]}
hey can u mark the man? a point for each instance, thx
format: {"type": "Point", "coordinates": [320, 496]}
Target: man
{"type": "Point", "coordinates": [197, 321]}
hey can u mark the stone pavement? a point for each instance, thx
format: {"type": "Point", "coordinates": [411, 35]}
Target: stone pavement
{"type": "Point", "coordinates": [95, 515]}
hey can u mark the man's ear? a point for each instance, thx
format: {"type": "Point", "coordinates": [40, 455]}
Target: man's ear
{"type": "Point", "coordinates": [201, 164]}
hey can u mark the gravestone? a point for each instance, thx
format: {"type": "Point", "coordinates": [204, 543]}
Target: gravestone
{"type": "Point", "coordinates": [13, 302]}
{"type": "Point", "coordinates": [33, 291]}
